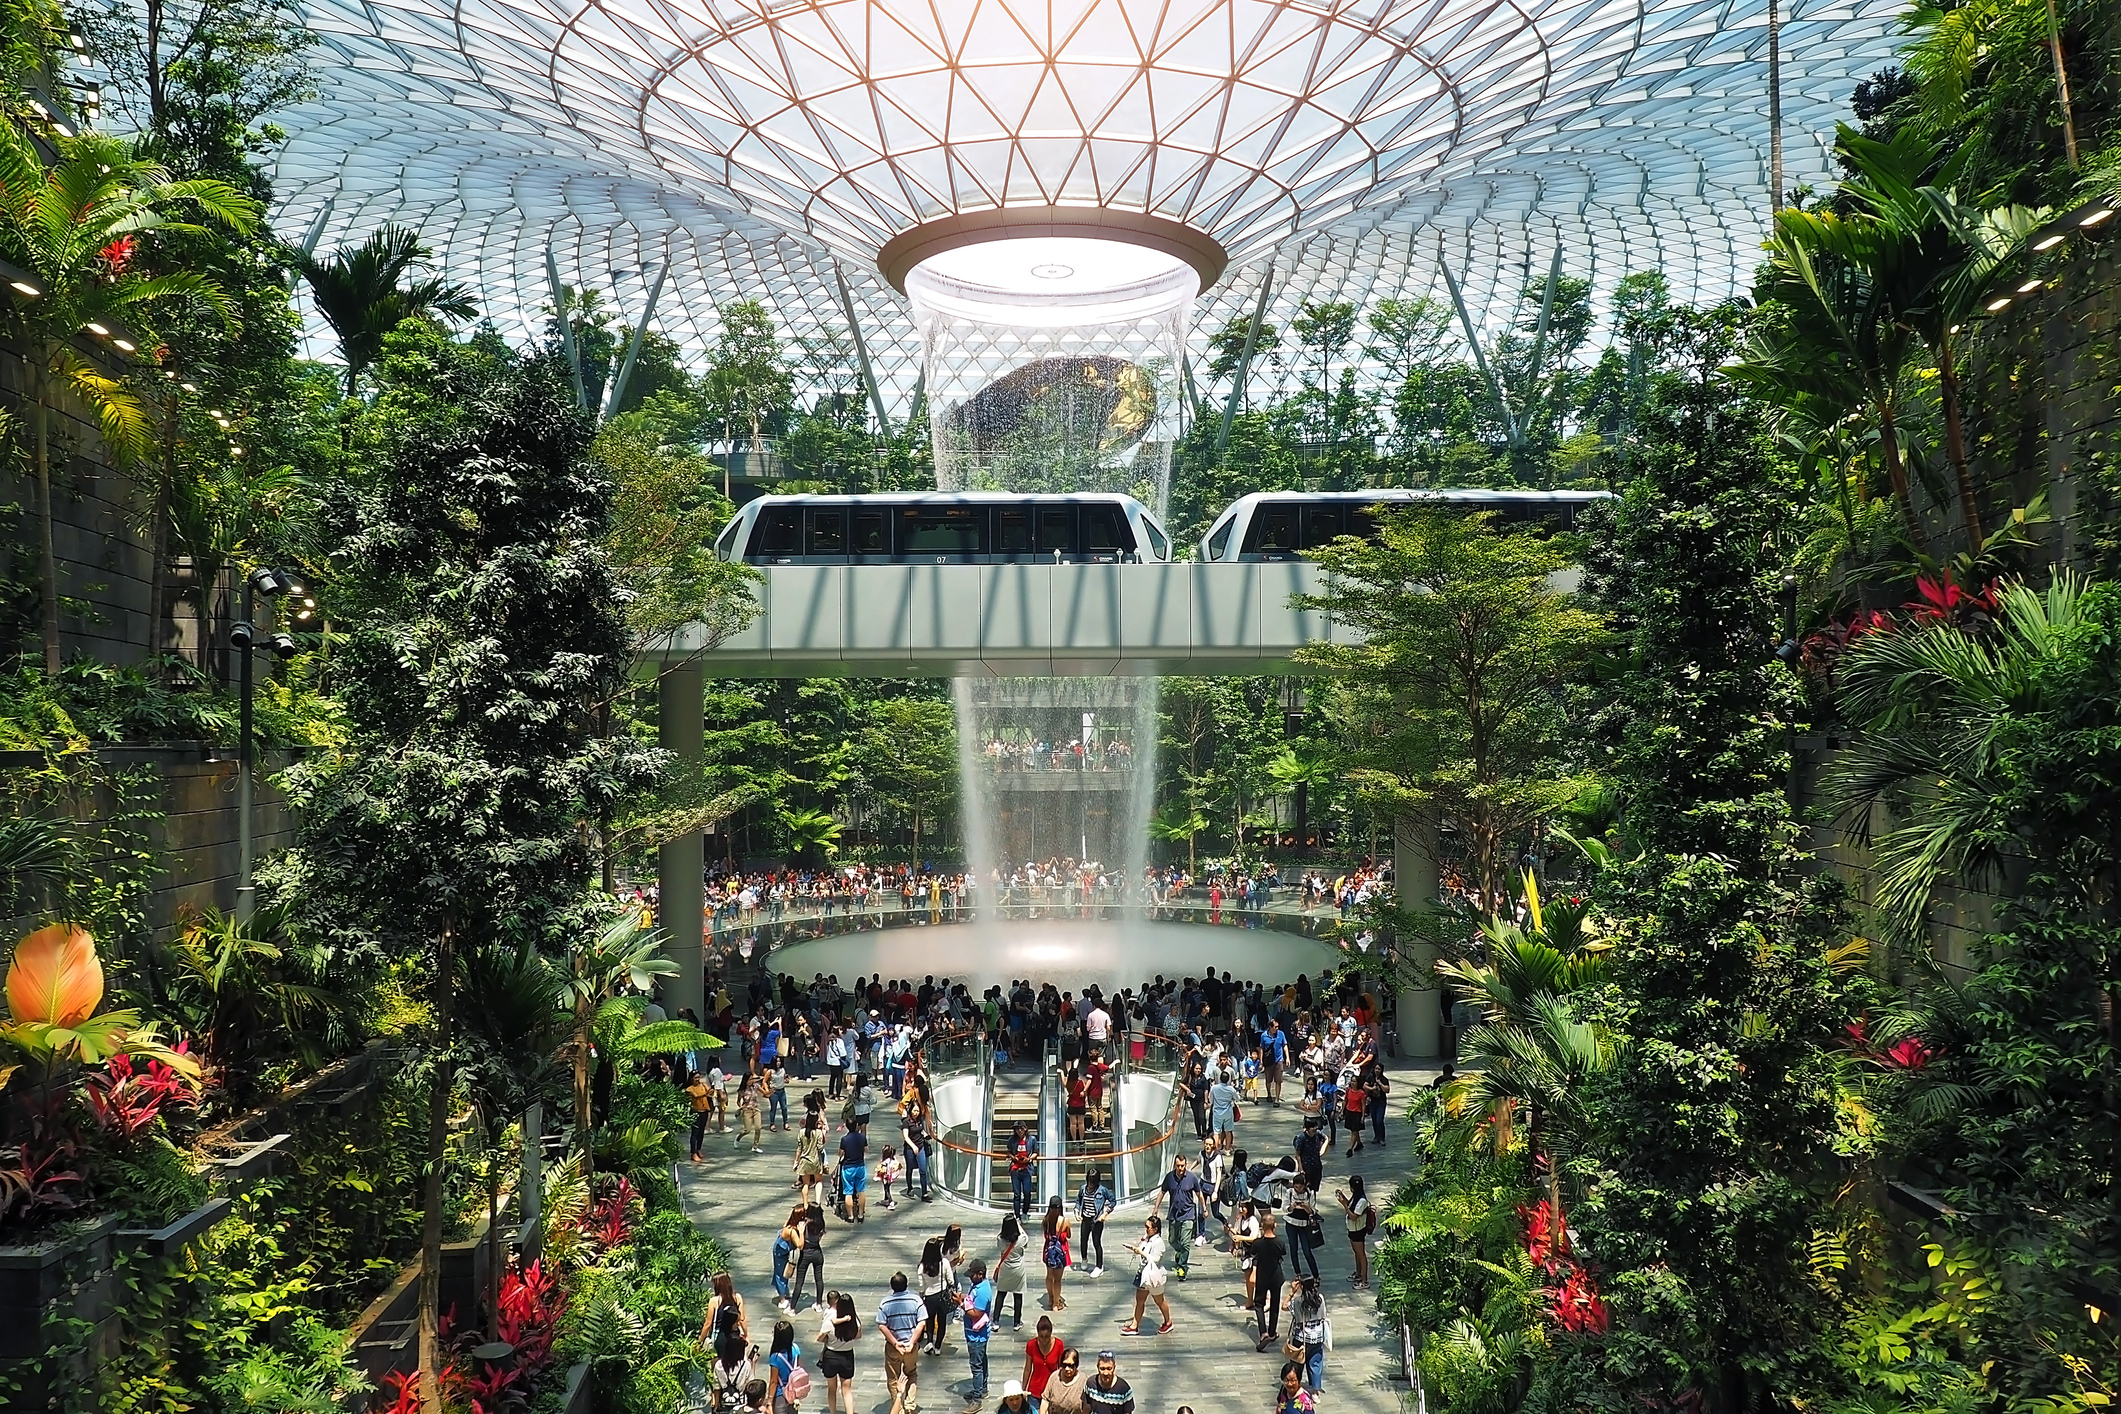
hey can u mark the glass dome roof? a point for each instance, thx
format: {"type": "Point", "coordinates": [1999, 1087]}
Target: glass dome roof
{"type": "Point", "coordinates": [764, 148]}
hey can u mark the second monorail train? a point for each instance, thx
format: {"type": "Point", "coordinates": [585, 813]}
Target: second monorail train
{"type": "Point", "coordinates": [943, 527]}
{"type": "Point", "coordinates": [1281, 525]}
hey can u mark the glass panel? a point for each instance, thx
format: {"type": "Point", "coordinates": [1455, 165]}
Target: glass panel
{"type": "Point", "coordinates": [827, 532]}
{"type": "Point", "coordinates": [1219, 542]}
{"type": "Point", "coordinates": [943, 530]}
{"type": "Point", "coordinates": [1012, 532]}
{"type": "Point", "coordinates": [1056, 529]}
{"type": "Point", "coordinates": [1321, 525]}
{"type": "Point", "coordinates": [780, 532]}
{"type": "Point", "coordinates": [872, 535]}
{"type": "Point", "coordinates": [1273, 530]}
{"type": "Point", "coordinates": [1362, 520]}
{"type": "Point", "coordinates": [1158, 542]}
{"type": "Point", "coordinates": [1105, 531]}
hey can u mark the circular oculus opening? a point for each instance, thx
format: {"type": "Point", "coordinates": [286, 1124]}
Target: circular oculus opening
{"type": "Point", "coordinates": [1052, 281]}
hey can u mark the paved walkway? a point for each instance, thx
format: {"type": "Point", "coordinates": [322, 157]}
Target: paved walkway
{"type": "Point", "coordinates": [1207, 1362]}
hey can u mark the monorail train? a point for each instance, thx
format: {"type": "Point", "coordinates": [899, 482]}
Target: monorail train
{"type": "Point", "coordinates": [943, 527]}
{"type": "Point", "coordinates": [1280, 525]}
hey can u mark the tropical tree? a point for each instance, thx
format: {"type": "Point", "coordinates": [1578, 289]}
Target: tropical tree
{"type": "Point", "coordinates": [748, 378]}
{"type": "Point", "coordinates": [1179, 820]}
{"type": "Point", "coordinates": [625, 952]}
{"type": "Point", "coordinates": [810, 830]}
{"type": "Point", "coordinates": [363, 293]}
{"type": "Point", "coordinates": [76, 227]}
{"type": "Point", "coordinates": [244, 988]}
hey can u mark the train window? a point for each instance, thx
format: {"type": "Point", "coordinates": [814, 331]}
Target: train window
{"type": "Point", "coordinates": [1321, 526]}
{"type": "Point", "coordinates": [1105, 531]}
{"type": "Point", "coordinates": [1273, 530]}
{"type": "Point", "coordinates": [1159, 543]}
{"type": "Point", "coordinates": [1012, 532]}
{"type": "Point", "coordinates": [872, 533]}
{"type": "Point", "coordinates": [1362, 520]}
{"type": "Point", "coordinates": [780, 532]}
{"type": "Point", "coordinates": [1219, 542]}
{"type": "Point", "coordinates": [943, 530]}
{"type": "Point", "coordinates": [725, 543]}
{"type": "Point", "coordinates": [825, 532]}
{"type": "Point", "coordinates": [1056, 529]}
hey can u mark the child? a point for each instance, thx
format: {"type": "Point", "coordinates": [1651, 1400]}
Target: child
{"type": "Point", "coordinates": [1252, 1074]}
{"type": "Point", "coordinates": [889, 1170]}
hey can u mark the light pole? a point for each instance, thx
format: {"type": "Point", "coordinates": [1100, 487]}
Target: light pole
{"type": "Point", "coordinates": [243, 637]}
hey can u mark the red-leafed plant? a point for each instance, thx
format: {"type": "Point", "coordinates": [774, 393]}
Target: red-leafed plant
{"type": "Point", "coordinates": [610, 1220]}
{"type": "Point", "coordinates": [118, 255]}
{"type": "Point", "coordinates": [1940, 600]}
{"type": "Point", "coordinates": [1908, 1053]}
{"type": "Point", "coordinates": [127, 1099]}
{"type": "Point", "coordinates": [1572, 1292]}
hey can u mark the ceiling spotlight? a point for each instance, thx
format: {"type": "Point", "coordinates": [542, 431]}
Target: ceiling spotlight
{"type": "Point", "coordinates": [97, 329]}
{"type": "Point", "coordinates": [1994, 305]}
{"type": "Point", "coordinates": [284, 645]}
{"type": "Point", "coordinates": [2028, 287]}
{"type": "Point", "coordinates": [124, 344]}
{"type": "Point", "coordinates": [2096, 217]}
{"type": "Point", "coordinates": [23, 287]}
{"type": "Point", "coordinates": [189, 387]}
{"type": "Point", "coordinates": [2052, 241]}
{"type": "Point", "coordinates": [270, 582]}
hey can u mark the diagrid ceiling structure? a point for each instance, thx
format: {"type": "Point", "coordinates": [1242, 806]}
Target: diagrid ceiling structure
{"type": "Point", "coordinates": [766, 149]}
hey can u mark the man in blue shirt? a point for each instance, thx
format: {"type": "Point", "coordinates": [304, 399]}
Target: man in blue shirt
{"type": "Point", "coordinates": [771, 1046]}
{"type": "Point", "coordinates": [1184, 1189]}
{"type": "Point", "coordinates": [900, 1318]}
{"type": "Point", "coordinates": [854, 1174]}
{"type": "Point", "coordinates": [1274, 1050]}
{"type": "Point", "coordinates": [979, 1324]}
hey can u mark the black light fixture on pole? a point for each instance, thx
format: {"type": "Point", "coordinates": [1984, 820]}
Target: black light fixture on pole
{"type": "Point", "coordinates": [243, 637]}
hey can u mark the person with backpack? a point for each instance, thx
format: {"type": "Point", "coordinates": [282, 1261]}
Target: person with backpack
{"type": "Point", "coordinates": [1308, 1330]}
{"type": "Point", "coordinates": [1362, 1221]}
{"type": "Point", "coordinates": [787, 1382]}
{"type": "Point", "coordinates": [697, 1094]}
{"type": "Point", "coordinates": [1023, 1168]}
{"type": "Point", "coordinates": [724, 1331]}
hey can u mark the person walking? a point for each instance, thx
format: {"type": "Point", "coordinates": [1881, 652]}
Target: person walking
{"type": "Point", "coordinates": [1380, 1090]}
{"type": "Point", "coordinates": [748, 1100]}
{"type": "Point", "coordinates": [1107, 1393]}
{"type": "Point", "coordinates": [810, 1159]}
{"type": "Point", "coordinates": [1362, 1221]}
{"type": "Point", "coordinates": [697, 1093]}
{"type": "Point", "coordinates": [725, 1330]}
{"type": "Point", "coordinates": [1302, 1223]}
{"type": "Point", "coordinates": [836, 1338]}
{"type": "Point", "coordinates": [1093, 1204]}
{"type": "Point", "coordinates": [1222, 1112]}
{"type": "Point", "coordinates": [786, 1243]}
{"type": "Point", "coordinates": [1267, 1279]}
{"type": "Point", "coordinates": [854, 1174]}
{"type": "Point", "coordinates": [784, 1368]}
{"type": "Point", "coordinates": [938, 1284]}
{"type": "Point", "coordinates": [978, 1306]}
{"type": "Point", "coordinates": [913, 1128]}
{"type": "Point", "coordinates": [1290, 1396]}
{"type": "Point", "coordinates": [810, 1257]}
{"type": "Point", "coordinates": [1182, 1188]}
{"type": "Point", "coordinates": [1064, 1392]}
{"type": "Point", "coordinates": [1149, 1277]}
{"type": "Point", "coordinates": [1307, 1329]}
{"type": "Point", "coordinates": [1009, 1268]}
{"type": "Point", "coordinates": [1054, 1253]}
{"type": "Point", "coordinates": [1043, 1354]}
{"type": "Point", "coordinates": [900, 1318]}
{"type": "Point", "coordinates": [777, 1097]}
{"type": "Point", "coordinates": [1023, 1167]}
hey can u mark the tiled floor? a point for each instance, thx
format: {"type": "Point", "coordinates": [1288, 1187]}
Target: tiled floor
{"type": "Point", "coordinates": [1207, 1362]}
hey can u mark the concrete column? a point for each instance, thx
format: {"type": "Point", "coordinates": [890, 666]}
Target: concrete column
{"type": "Point", "coordinates": [680, 863]}
{"type": "Point", "coordinates": [1415, 878]}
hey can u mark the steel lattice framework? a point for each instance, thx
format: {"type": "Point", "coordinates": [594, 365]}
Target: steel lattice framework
{"type": "Point", "coordinates": [761, 149]}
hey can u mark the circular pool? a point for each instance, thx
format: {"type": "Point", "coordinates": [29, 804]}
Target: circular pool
{"type": "Point", "coordinates": [1065, 952]}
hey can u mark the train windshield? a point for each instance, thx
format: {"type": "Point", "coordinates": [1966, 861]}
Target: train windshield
{"type": "Point", "coordinates": [1219, 542]}
{"type": "Point", "coordinates": [1159, 544]}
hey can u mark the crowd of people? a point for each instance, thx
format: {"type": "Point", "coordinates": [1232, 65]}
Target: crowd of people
{"type": "Point", "coordinates": [1029, 755]}
{"type": "Point", "coordinates": [1305, 1050]}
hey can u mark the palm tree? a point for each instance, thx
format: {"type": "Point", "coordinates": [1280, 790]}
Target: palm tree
{"type": "Point", "coordinates": [1937, 706]}
{"type": "Point", "coordinates": [1951, 257]}
{"type": "Point", "coordinates": [1180, 820]}
{"type": "Point", "coordinates": [75, 227]}
{"type": "Point", "coordinates": [627, 952]}
{"type": "Point", "coordinates": [807, 830]}
{"type": "Point", "coordinates": [362, 293]}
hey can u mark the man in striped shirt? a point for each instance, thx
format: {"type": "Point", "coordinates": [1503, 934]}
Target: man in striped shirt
{"type": "Point", "coordinates": [901, 1317]}
{"type": "Point", "coordinates": [1107, 1393]}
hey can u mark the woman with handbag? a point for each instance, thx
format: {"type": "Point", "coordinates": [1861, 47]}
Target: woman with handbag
{"type": "Point", "coordinates": [1009, 1268]}
{"type": "Point", "coordinates": [1149, 1279]}
{"type": "Point", "coordinates": [1309, 1330]}
{"type": "Point", "coordinates": [1055, 1252]}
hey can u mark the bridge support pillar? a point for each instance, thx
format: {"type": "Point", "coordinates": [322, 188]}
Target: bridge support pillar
{"type": "Point", "coordinates": [1415, 880]}
{"type": "Point", "coordinates": [681, 863]}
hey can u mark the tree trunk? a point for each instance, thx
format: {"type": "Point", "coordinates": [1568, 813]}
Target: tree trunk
{"type": "Point", "coordinates": [1896, 472]}
{"type": "Point", "coordinates": [1955, 444]}
{"type": "Point", "coordinates": [493, 1238]}
{"type": "Point", "coordinates": [158, 527]}
{"type": "Point", "coordinates": [41, 450]}
{"type": "Point", "coordinates": [584, 1011]}
{"type": "Point", "coordinates": [607, 861]}
{"type": "Point", "coordinates": [431, 1199]}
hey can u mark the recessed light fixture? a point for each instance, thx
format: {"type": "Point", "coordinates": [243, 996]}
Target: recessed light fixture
{"type": "Point", "coordinates": [2028, 287]}
{"type": "Point", "coordinates": [2096, 217]}
{"type": "Point", "coordinates": [23, 287]}
{"type": "Point", "coordinates": [2051, 242]}
{"type": "Point", "coordinates": [97, 329]}
{"type": "Point", "coordinates": [125, 344]}
{"type": "Point", "coordinates": [1994, 305]}
{"type": "Point", "coordinates": [1051, 271]}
